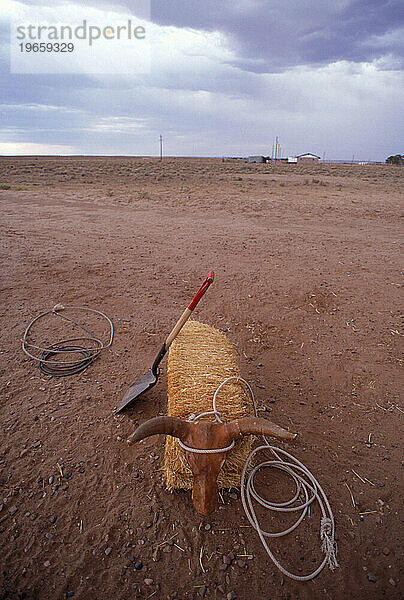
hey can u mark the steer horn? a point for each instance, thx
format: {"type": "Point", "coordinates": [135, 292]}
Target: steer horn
{"type": "Point", "coordinates": [258, 426]}
{"type": "Point", "coordinates": [168, 425]}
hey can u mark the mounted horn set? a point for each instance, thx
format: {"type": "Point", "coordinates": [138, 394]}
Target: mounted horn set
{"type": "Point", "coordinates": [203, 436]}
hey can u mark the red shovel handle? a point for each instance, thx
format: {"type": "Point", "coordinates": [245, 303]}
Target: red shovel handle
{"type": "Point", "coordinates": [201, 290]}
{"type": "Point", "coordinates": [188, 311]}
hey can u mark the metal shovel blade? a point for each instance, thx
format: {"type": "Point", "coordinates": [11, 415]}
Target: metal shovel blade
{"type": "Point", "coordinates": [138, 387]}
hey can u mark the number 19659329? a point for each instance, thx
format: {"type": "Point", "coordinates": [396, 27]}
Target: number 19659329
{"type": "Point", "coordinates": [47, 47]}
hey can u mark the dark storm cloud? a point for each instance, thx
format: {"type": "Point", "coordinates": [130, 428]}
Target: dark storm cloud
{"type": "Point", "coordinates": [271, 35]}
{"type": "Point", "coordinates": [274, 35]}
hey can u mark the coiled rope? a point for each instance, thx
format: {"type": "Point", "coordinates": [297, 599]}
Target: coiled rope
{"type": "Point", "coordinates": [308, 490]}
{"type": "Point", "coordinates": [84, 350]}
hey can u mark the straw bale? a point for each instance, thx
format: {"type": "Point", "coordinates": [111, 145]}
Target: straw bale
{"type": "Point", "coordinates": [199, 360]}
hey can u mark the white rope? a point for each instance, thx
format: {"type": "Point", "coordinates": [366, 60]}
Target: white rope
{"type": "Point", "coordinates": [195, 419]}
{"type": "Point", "coordinates": [307, 491]}
{"type": "Point", "coordinates": [202, 451]}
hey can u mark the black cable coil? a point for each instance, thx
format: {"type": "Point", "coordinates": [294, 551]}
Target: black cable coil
{"type": "Point", "coordinates": [88, 348]}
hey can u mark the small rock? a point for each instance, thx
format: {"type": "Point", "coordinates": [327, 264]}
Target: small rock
{"type": "Point", "coordinates": [372, 577]}
{"type": "Point", "coordinates": [37, 444]}
{"type": "Point", "coordinates": [131, 557]}
{"type": "Point", "coordinates": [46, 563]}
{"type": "Point", "coordinates": [68, 475]}
{"type": "Point", "coordinates": [27, 514]}
{"type": "Point", "coordinates": [392, 582]}
{"type": "Point", "coordinates": [141, 542]}
{"type": "Point", "coordinates": [148, 581]}
{"type": "Point", "coordinates": [12, 510]}
{"type": "Point", "coordinates": [53, 519]}
{"type": "Point", "coordinates": [231, 596]}
{"type": "Point", "coordinates": [23, 452]}
{"type": "Point", "coordinates": [50, 481]}
{"type": "Point", "coordinates": [386, 551]}
{"type": "Point", "coordinates": [226, 560]}
{"type": "Point", "coordinates": [108, 550]}
{"type": "Point", "coordinates": [138, 565]}
{"type": "Point", "coordinates": [49, 536]}
{"type": "Point", "coordinates": [233, 496]}
{"type": "Point", "coordinates": [223, 567]}
{"type": "Point", "coordinates": [207, 527]}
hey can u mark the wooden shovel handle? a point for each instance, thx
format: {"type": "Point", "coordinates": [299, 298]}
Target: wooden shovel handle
{"type": "Point", "coordinates": [188, 311]}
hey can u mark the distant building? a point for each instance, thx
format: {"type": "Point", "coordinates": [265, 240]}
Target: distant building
{"type": "Point", "coordinates": [256, 159]}
{"type": "Point", "coordinates": [292, 159]}
{"type": "Point", "coordinates": [307, 159]}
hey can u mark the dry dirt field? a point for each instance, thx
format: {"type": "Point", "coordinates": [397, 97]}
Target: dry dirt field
{"type": "Point", "coordinates": [308, 288]}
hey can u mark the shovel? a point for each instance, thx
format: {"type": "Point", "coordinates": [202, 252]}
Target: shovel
{"type": "Point", "coordinates": [150, 379]}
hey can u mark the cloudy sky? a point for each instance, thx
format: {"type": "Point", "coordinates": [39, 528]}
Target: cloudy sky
{"type": "Point", "coordinates": [222, 78]}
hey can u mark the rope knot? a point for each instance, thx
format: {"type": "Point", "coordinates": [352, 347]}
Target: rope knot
{"type": "Point", "coordinates": [329, 546]}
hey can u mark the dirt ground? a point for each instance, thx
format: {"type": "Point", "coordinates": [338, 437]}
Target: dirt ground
{"type": "Point", "coordinates": [308, 286]}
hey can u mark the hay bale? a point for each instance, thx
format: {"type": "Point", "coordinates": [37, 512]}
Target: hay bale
{"type": "Point", "coordinates": [199, 360]}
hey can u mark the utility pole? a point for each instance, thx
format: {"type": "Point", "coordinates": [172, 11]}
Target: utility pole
{"type": "Point", "coordinates": [276, 148]}
{"type": "Point", "coordinates": [161, 147]}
